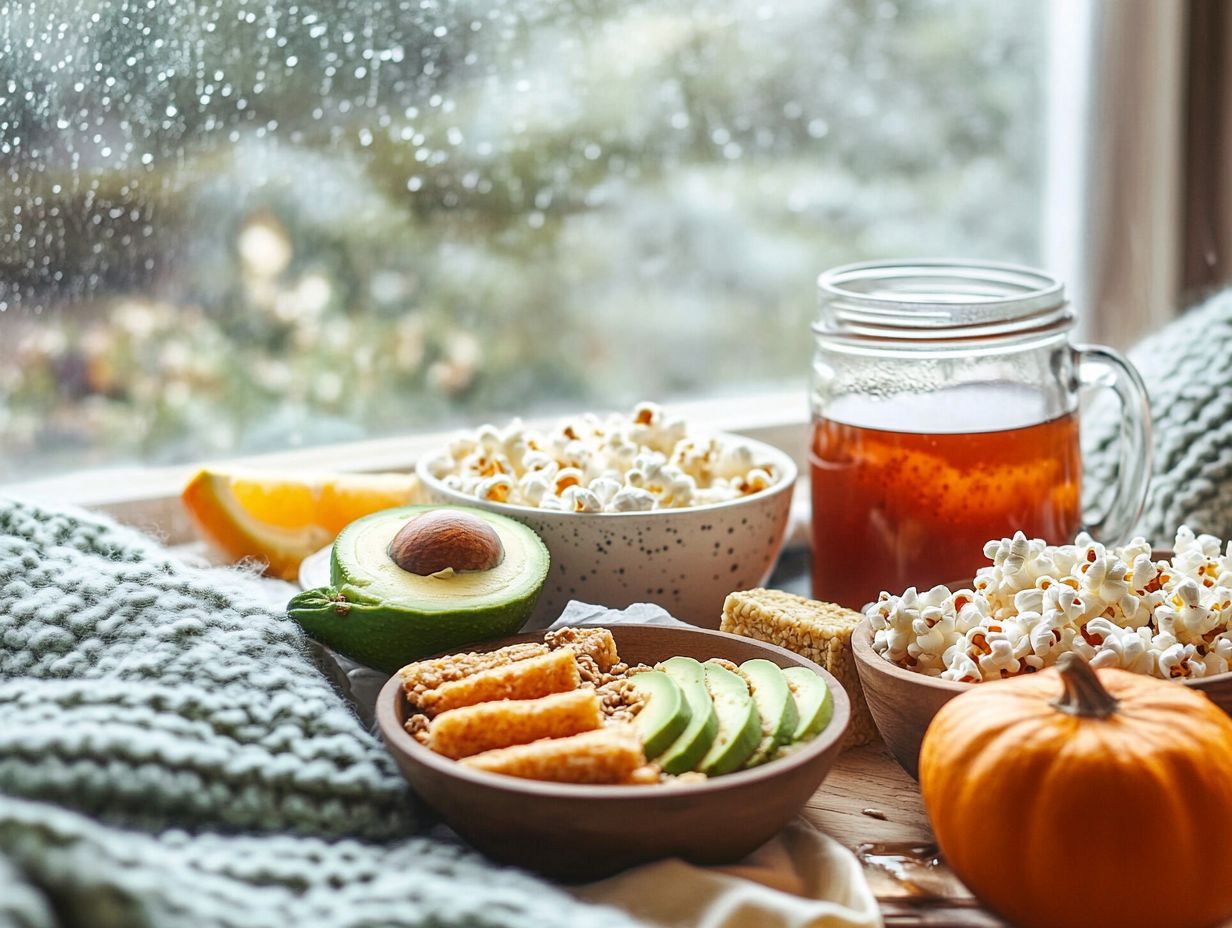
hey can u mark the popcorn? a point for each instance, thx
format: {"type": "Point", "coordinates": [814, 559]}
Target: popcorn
{"type": "Point", "coordinates": [631, 499]}
{"type": "Point", "coordinates": [1116, 607]}
{"type": "Point", "coordinates": [535, 461]}
{"type": "Point", "coordinates": [495, 489]}
{"type": "Point", "coordinates": [489, 440]}
{"type": "Point", "coordinates": [636, 463]}
{"type": "Point", "coordinates": [605, 488]}
{"type": "Point", "coordinates": [535, 485]}
{"type": "Point", "coordinates": [998, 659]}
{"type": "Point", "coordinates": [566, 478]}
{"type": "Point", "coordinates": [580, 499]}
{"type": "Point", "coordinates": [734, 461]}
{"type": "Point", "coordinates": [460, 447]}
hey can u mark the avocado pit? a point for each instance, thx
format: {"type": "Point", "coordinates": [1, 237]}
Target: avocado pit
{"type": "Point", "coordinates": [445, 539]}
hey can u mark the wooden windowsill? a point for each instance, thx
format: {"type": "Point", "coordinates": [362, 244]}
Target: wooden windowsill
{"type": "Point", "coordinates": [148, 497]}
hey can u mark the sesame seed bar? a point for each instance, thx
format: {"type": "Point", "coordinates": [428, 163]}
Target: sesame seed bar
{"type": "Point", "coordinates": [816, 630]}
{"type": "Point", "coordinates": [422, 676]}
{"type": "Point", "coordinates": [596, 643]}
{"type": "Point", "coordinates": [605, 755]}
{"type": "Point", "coordinates": [531, 678]}
{"type": "Point", "coordinates": [487, 726]}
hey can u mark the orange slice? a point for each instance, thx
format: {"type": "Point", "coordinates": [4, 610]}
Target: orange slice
{"type": "Point", "coordinates": [281, 520]}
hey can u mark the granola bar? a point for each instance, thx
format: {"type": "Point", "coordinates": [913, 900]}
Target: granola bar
{"type": "Point", "coordinates": [606, 755]}
{"type": "Point", "coordinates": [596, 643]}
{"type": "Point", "coordinates": [423, 676]}
{"type": "Point", "coordinates": [554, 672]}
{"type": "Point", "coordinates": [486, 726]}
{"type": "Point", "coordinates": [816, 630]}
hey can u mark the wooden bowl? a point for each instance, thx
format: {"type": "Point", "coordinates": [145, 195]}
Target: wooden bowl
{"type": "Point", "coordinates": [903, 702]}
{"type": "Point", "coordinates": [577, 832]}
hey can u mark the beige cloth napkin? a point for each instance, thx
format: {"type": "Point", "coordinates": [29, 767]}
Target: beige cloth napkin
{"type": "Point", "coordinates": [801, 879]}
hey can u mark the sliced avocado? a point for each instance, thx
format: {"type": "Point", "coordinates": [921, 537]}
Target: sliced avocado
{"type": "Point", "coordinates": [814, 703]}
{"type": "Point", "coordinates": [664, 716]}
{"type": "Point", "coordinates": [775, 706]}
{"type": "Point", "coordinates": [385, 616]}
{"type": "Point", "coordinates": [692, 743]}
{"type": "Point", "coordinates": [739, 725]}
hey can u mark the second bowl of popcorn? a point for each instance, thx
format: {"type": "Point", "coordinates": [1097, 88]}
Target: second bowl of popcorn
{"type": "Point", "coordinates": [1166, 614]}
{"type": "Point", "coordinates": [632, 507]}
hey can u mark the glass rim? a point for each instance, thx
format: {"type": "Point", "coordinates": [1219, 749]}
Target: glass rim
{"type": "Point", "coordinates": [939, 298]}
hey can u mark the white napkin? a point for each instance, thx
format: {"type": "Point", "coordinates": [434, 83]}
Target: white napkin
{"type": "Point", "coordinates": [802, 878]}
{"type": "Point", "coordinates": [578, 613]}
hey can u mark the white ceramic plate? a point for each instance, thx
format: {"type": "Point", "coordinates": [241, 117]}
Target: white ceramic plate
{"type": "Point", "coordinates": [314, 569]}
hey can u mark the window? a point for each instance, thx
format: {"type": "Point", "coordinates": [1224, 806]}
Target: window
{"type": "Point", "coordinates": [231, 227]}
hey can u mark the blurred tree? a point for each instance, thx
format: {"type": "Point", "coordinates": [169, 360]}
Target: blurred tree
{"type": "Point", "coordinates": [232, 226]}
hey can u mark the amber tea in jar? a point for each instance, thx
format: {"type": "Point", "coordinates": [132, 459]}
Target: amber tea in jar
{"type": "Point", "coordinates": [945, 413]}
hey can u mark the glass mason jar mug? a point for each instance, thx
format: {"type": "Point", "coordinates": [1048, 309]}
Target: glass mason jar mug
{"type": "Point", "coordinates": [945, 413]}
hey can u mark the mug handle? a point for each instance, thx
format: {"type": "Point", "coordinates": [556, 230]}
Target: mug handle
{"type": "Point", "coordinates": [1098, 367]}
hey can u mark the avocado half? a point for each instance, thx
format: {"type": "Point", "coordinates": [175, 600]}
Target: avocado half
{"type": "Point", "coordinates": [381, 615]}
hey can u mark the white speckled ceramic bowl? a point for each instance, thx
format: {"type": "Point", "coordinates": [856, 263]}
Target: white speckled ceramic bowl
{"type": "Point", "coordinates": [685, 560]}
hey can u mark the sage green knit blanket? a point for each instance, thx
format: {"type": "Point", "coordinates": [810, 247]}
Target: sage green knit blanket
{"type": "Point", "coordinates": [1187, 368]}
{"type": "Point", "coordinates": [171, 756]}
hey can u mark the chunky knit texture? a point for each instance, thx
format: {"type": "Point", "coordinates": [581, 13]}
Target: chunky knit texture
{"type": "Point", "coordinates": [1187, 367]}
{"type": "Point", "coordinates": [170, 755]}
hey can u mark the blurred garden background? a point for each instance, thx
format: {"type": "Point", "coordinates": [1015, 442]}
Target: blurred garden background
{"type": "Point", "coordinates": [231, 227]}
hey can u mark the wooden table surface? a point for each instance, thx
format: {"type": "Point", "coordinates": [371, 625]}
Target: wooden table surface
{"type": "Point", "coordinates": [871, 805]}
{"type": "Point", "coordinates": [897, 851]}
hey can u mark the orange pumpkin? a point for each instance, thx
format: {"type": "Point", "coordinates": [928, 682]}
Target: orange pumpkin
{"type": "Point", "coordinates": [1079, 798]}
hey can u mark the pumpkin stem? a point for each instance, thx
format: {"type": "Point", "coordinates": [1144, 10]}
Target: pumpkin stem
{"type": "Point", "coordinates": [1084, 695]}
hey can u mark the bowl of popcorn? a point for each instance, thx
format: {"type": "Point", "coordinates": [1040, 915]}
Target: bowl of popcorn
{"type": "Point", "coordinates": [633, 507]}
{"type": "Point", "coordinates": [1164, 614]}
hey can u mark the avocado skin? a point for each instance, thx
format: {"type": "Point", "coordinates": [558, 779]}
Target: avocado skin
{"type": "Point", "coordinates": [388, 638]}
